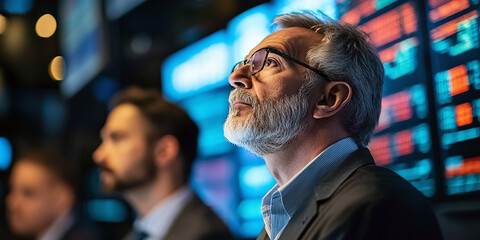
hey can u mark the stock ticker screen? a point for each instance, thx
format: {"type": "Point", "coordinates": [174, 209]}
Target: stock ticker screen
{"type": "Point", "coordinates": [402, 140]}
{"type": "Point", "coordinates": [431, 103]}
{"type": "Point", "coordinates": [453, 29]}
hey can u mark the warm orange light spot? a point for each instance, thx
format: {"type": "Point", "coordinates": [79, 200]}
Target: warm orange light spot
{"type": "Point", "coordinates": [468, 167]}
{"type": "Point", "coordinates": [448, 9]}
{"type": "Point", "coordinates": [3, 23]}
{"type": "Point", "coordinates": [56, 69]}
{"type": "Point", "coordinates": [401, 104]}
{"type": "Point", "coordinates": [450, 28]}
{"type": "Point", "coordinates": [463, 114]}
{"type": "Point", "coordinates": [409, 19]}
{"type": "Point", "coordinates": [404, 143]}
{"type": "Point", "coordinates": [458, 80]}
{"type": "Point", "coordinates": [380, 149]}
{"type": "Point", "coordinates": [46, 26]}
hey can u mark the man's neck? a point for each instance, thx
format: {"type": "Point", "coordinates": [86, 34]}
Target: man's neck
{"type": "Point", "coordinates": [144, 199]}
{"type": "Point", "coordinates": [285, 164]}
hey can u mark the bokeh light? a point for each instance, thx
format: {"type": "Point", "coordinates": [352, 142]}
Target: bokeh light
{"type": "Point", "coordinates": [3, 23]}
{"type": "Point", "coordinates": [5, 153]}
{"type": "Point", "coordinates": [46, 26]}
{"type": "Point", "coordinates": [56, 69]}
{"type": "Point", "coordinates": [141, 43]}
{"type": "Point", "coordinates": [17, 6]}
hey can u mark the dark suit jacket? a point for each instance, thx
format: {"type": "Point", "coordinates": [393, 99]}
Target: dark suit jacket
{"type": "Point", "coordinates": [359, 200]}
{"type": "Point", "coordinates": [196, 221]}
{"type": "Point", "coordinates": [81, 229]}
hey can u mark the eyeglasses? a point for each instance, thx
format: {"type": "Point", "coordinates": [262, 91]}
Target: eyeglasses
{"type": "Point", "coordinates": [259, 58]}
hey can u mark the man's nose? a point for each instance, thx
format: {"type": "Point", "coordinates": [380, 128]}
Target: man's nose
{"type": "Point", "coordinates": [241, 78]}
{"type": "Point", "coordinates": [99, 154]}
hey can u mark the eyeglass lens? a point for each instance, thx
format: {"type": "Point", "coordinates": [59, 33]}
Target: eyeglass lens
{"type": "Point", "coordinates": [258, 60]}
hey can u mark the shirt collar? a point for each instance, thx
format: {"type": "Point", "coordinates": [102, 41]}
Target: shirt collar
{"type": "Point", "coordinates": [59, 227]}
{"type": "Point", "coordinates": [157, 222]}
{"type": "Point", "coordinates": [266, 206]}
{"type": "Point", "coordinates": [300, 186]}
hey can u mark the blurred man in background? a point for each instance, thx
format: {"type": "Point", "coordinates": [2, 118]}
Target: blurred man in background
{"type": "Point", "coordinates": [147, 150]}
{"type": "Point", "coordinates": [307, 99]}
{"type": "Point", "coordinates": [42, 198]}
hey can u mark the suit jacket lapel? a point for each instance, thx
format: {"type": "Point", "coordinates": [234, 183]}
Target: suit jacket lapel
{"type": "Point", "coordinates": [190, 206]}
{"type": "Point", "coordinates": [300, 220]}
{"type": "Point", "coordinates": [323, 190]}
{"type": "Point", "coordinates": [263, 235]}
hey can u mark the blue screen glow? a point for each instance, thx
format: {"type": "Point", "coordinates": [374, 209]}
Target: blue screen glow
{"type": "Point", "coordinates": [326, 6]}
{"type": "Point", "coordinates": [209, 111]}
{"type": "Point", "coordinates": [248, 29]}
{"type": "Point", "coordinates": [201, 66]}
{"type": "Point", "coordinates": [106, 210]}
{"type": "Point", "coordinates": [255, 181]}
{"type": "Point", "coordinates": [18, 6]}
{"type": "Point", "coordinates": [82, 44]}
{"type": "Point", "coordinates": [5, 153]}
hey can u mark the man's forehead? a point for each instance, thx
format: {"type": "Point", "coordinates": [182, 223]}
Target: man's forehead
{"type": "Point", "coordinates": [27, 171]}
{"type": "Point", "coordinates": [122, 115]}
{"type": "Point", "coordinates": [125, 117]}
{"type": "Point", "coordinates": [294, 41]}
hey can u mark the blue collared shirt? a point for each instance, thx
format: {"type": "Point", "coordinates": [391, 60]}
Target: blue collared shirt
{"type": "Point", "coordinates": [280, 203]}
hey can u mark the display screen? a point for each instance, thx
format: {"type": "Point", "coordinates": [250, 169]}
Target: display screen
{"type": "Point", "coordinates": [81, 43]}
{"type": "Point", "coordinates": [402, 140]}
{"type": "Point", "coordinates": [453, 30]}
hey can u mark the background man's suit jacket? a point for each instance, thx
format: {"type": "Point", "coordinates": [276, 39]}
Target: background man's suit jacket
{"type": "Point", "coordinates": [81, 230]}
{"type": "Point", "coordinates": [196, 221]}
{"type": "Point", "coordinates": [359, 200]}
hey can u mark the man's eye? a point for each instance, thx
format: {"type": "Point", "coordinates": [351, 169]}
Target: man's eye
{"type": "Point", "coordinates": [29, 193]}
{"type": "Point", "coordinates": [271, 63]}
{"type": "Point", "coordinates": [117, 137]}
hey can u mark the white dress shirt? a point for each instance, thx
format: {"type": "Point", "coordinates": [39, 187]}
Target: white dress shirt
{"type": "Point", "coordinates": [58, 228]}
{"type": "Point", "coordinates": [158, 221]}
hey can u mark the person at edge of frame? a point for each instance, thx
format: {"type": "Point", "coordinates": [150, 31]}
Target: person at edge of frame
{"type": "Point", "coordinates": [42, 202]}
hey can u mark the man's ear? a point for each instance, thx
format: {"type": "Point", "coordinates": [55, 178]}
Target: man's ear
{"type": "Point", "coordinates": [336, 95]}
{"type": "Point", "coordinates": [166, 150]}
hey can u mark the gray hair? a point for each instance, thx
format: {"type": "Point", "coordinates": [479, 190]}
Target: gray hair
{"type": "Point", "coordinates": [345, 54]}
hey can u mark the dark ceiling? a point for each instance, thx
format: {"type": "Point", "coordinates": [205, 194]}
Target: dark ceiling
{"type": "Point", "coordinates": [171, 25]}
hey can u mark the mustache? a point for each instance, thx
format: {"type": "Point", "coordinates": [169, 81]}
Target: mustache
{"type": "Point", "coordinates": [244, 96]}
{"type": "Point", "coordinates": [104, 168]}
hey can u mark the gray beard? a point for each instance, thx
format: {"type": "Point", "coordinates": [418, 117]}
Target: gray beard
{"type": "Point", "coordinates": [271, 125]}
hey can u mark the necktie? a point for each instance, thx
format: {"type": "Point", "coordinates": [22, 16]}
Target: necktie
{"type": "Point", "coordinates": [141, 235]}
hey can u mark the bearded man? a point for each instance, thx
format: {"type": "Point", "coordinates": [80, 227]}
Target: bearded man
{"type": "Point", "coordinates": [147, 150]}
{"type": "Point", "coordinates": [307, 99]}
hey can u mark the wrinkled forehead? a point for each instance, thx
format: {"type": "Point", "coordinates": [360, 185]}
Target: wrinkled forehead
{"type": "Point", "coordinates": [294, 41]}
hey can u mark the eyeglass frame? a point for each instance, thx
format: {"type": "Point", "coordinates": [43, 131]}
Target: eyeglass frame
{"type": "Point", "coordinates": [275, 51]}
